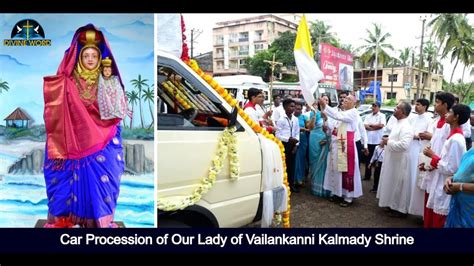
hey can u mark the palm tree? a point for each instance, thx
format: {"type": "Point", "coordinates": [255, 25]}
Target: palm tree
{"type": "Point", "coordinates": [376, 41]}
{"type": "Point", "coordinates": [405, 56]}
{"type": "Point", "coordinates": [348, 48]}
{"type": "Point", "coordinates": [132, 99]}
{"type": "Point", "coordinates": [320, 31]}
{"type": "Point", "coordinates": [375, 49]}
{"type": "Point", "coordinates": [149, 96]}
{"type": "Point", "coordinates": [4, 86]}
{"type": "Point", "coordinates": [454, 34]}
{"type": "Point", "coordinates": [139, 84]}
{"type": "Point", "coordinates": [462, 49]}
{"type": "Point", "coordinates": [446, 25]}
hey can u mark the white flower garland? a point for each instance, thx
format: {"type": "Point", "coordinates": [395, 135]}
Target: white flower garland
{"type": "Point", "coordinates": [227, 145]}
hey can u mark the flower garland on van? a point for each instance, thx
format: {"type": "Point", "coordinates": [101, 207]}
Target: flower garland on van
{"type": "Point", "coordinates": [227, 145]}
{"type": "Point", "coordinates": [256, 127]}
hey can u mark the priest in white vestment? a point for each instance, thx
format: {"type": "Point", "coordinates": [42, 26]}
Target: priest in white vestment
{"type": "Point", "coordinates": [394, 189]}
{"type": "Point", "coordinates": [420, 121]}
{"type": "Point", "coordinates": [342, 176]}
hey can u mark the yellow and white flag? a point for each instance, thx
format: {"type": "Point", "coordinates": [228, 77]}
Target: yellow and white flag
{"type": "Point", "coordinates": [308, 71]}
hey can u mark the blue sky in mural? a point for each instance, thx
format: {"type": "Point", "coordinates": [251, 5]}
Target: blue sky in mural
{"type": "Point", "coordinates": [130, 37]}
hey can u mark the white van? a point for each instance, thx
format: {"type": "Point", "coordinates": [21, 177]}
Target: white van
{"type": "Point", "coordinates": [191, 119]}
{"type": "Point", "coordinates": [239, 85]}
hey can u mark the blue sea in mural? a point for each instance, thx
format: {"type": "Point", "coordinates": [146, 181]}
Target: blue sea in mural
{"type": "Point", "coordinates": [23, 198]}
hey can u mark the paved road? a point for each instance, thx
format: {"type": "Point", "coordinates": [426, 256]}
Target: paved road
{"type": "Point", "coordinates": [311, 211]}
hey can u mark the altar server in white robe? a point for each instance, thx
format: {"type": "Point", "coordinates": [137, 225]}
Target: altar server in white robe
{"type": "Point", "coordinates": [438, 133]}
{"type": "Point", "coordinates": [420, 121]}
{"type": "Point", "coordinates": [447, 163]}
{"type": "Point", "coordinates": [342, 173]}
{"type": "Point", "coordinates": [394, 189]}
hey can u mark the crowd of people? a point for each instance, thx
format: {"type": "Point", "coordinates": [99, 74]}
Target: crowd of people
{"type": "Point", "coordinates": [422, 161]}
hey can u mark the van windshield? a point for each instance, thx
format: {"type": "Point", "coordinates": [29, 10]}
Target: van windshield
{"type": "Point", "coordinates": [179, 97]}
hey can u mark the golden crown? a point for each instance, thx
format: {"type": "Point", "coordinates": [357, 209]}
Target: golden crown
{"type": "Point", "coordinates": [107, 62]}
{"type": "Point", "coordinates": [89, 38]}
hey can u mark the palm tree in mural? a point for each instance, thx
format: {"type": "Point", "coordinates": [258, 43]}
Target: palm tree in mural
{"type": "Point", "coordinates": [149, 96]}
{"type": "Point", "coordinates": [132, 99]}
{"type": "Point", "coordinates": [4, 86]}
{"type": "Point", "coordinates": [140, 84]}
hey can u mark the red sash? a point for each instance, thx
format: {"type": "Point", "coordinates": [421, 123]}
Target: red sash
{"type": "Point", "coordinates": [348, 177]}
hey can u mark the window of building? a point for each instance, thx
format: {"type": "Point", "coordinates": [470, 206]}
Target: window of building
{"type": "Point", "coordinates": [233, 37]}
{"type": "Point", "coordinates": [233, 64]}
{"type": "Point", "coordinates": [219, 65]}
{"type": "Point", "coordinates": [219, 53]}
{"type": "Point", "coordinates": [258, 35]}
{"type": "Point", "coordinates": [243, 37]}
{"type": "Point", "coordinates": [242, 63]}
{"type": "Point", "coordinates": [218, 40]}
{"type": "Point", "coordinates": [391, 95]}
{"type": "Point", "coordinates": [392, 77]}
{"type": "Point", "coordinates": [259, 47]}
{"type": "Point", "coordinates": [185, 104]}
{"type": "Point", "coordinates": [244, 50]}
{"type": "Point", "coordinates": [233, 51]}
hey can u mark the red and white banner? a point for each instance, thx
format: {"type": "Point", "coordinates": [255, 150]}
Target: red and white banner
{"type": "Point", "coordinates": [336, 65]}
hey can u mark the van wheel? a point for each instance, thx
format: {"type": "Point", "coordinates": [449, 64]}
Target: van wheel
{"type": "Point", "coordinates": [168, 223]}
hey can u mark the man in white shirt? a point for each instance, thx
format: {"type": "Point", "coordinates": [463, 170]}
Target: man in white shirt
{"type": "Point", "coordinates": [374, 124]}
{"type": "Point", "coordinates": [288, 131]}
{"type": "Point", "coordinates": [277, 109]}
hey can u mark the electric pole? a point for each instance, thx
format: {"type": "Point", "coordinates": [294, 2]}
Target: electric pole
{"type": "Point", "coordinates": [420, 76]}
{"type": "Point", "coordinates": [273, 63]}
{"type": "Point", "coordinates": [194, 35]}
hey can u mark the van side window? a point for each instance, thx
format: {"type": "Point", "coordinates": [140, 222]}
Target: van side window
{"type": "Point", "coordinates": [183, 106]}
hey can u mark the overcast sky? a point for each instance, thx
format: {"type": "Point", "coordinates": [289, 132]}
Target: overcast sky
{"type": "Point", "coordinates": [405, 30]}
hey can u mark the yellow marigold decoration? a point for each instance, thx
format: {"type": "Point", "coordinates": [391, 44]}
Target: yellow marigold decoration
{"type": "Point", "coordinates": [227, 145]}
{"type": "Point", "coordinates": [255, 127]}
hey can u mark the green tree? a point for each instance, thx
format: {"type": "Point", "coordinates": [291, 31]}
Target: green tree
{"type": "Point", "coordinates": [348, 48]}
{"type": "Point", "coordinates": [3, 86]}
{"type": "Point", "coordinates": [283, 48]}
{"type": "Point", "coordinates": [404, 56]}
{"type": "Point", "coordinates": [463, 90]}
{"type": "Point", "coordinates": [454, 34]}
{"type": "Point", "coordinates": [256, 65]}
{"type": "Point", "coordinates": [321, 32]}
{"type": "Point", "coordinates": [140, 84]}
{"type": "Point", "coordinates": [149, 96]}
{"type": "Point", "coordinates": [132, 99]}
{"type": "Point", "coordinates": [375, 39]}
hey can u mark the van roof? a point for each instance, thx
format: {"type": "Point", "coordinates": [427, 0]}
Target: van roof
{"type": "Point", "coordinates": [240, 80]}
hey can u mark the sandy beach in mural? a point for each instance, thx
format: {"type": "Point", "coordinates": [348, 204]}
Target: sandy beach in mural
{"type": "Point", "coordinates": [23, 196]}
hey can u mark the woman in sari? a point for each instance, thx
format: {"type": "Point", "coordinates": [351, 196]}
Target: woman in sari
{"type": "Point", "coordinates": [461, 187]}
{"type": "Point", "coordinates": [318, 152]}
{"type": "Point", "coordinates": [84, 159]}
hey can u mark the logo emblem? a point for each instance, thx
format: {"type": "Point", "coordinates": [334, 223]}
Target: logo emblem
{"type": "Point", "coordinates": [27, 32]}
